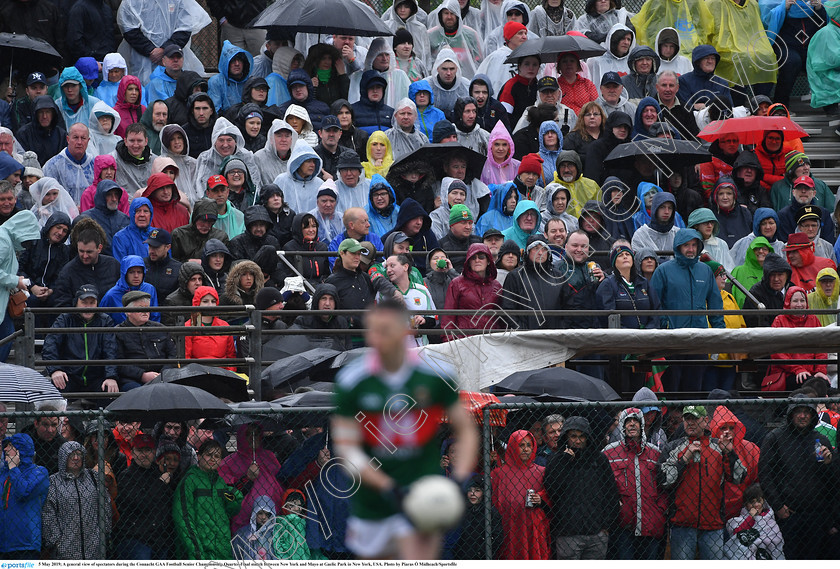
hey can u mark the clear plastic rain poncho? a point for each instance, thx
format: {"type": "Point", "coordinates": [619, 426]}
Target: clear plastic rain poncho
{"type": "Point", "coordinates": [824, 60]}
{"type": "Point", "coordinates": [398, 81]}
{"type": "Point", "coordinates": [210, 160]}
{"type": "Point", "coordinates": [102, 142]}
{"type": "Point", "coordinates": [187, 165]}
{"type": "Point", "coordinates": [158, 20]}
{"type": "Point", "coordinates": [746, 56]}
{"type": "Point", "coordinates": [62, 202]}
{"type": "Point", "coordinates": [691, 18]}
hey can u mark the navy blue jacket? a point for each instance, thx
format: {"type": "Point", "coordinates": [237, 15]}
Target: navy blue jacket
{"type": "Point", "coordinates": [613, 294]}
{"type": "Point", "coordinates": [93, 346]}
{"type": "Point", "coordinates": [316, 109]}
{"type": "Point", "coordinates": [697, 86]}
{"type": "Point", "coordinates": [369, 116]}
{"type": "Point", "coordinates": [425, 240]}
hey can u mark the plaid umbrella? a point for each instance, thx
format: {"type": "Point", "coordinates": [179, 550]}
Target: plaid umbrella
{"type": "Point", "coordinates": [23, 385]}
{"type": "Point", "coordinates": [475, 401]}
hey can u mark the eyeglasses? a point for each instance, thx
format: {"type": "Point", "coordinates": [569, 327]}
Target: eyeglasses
{"type": "Point", "coordinates": [592, 115]}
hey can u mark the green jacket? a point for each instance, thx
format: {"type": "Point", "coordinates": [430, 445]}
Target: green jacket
{"type": "Point", "coordinates": [202, 509]}
{"type": "Point", "coordinates": [781, 194]}
{"type": "Point", "coordinates": [290, 539]}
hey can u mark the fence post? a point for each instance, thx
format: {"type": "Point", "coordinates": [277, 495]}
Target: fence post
{"type": "Point", "coordinates": [255, 364]}
{"type": "Point", "coordinates": [488, 504]}
{"type": "Point", "coordinates": [104, 499]}
{"type": "Point", "coordinates": [28, 348]}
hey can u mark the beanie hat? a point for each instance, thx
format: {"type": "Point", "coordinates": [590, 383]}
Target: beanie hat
{"type": "Point", "coordinates": [267, 296]}
{"type": "Point", "coordinates": [328, 188]}
{"type": "Point", "coordinates": [457, 185]}
{"type": "Point", "coordinates": [402, 36]}
{"type": "Point", "coordinates": [166, 445]}
{"type": "Point", "coordinates": [513, 28]}
{"type": "Point", "coordinates": [618, 250]}
{"type": "Point", "coordinates": [531, 163]}
{"type": "Point", "coordinates": [442, 129]}
{"type": "Point", "coordinates": [235, 164]}
{"type": "Point", "coordinates": [793, 160]}
{"type": "Point", "coordinates": [459, 212]}
{"type": "Point", "coordinates": [715, 266]}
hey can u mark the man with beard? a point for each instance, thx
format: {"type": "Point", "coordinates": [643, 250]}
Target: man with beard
{"type": "Point", "coordinates": [154, 119]}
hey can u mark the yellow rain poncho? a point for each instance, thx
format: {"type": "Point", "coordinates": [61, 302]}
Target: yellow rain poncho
{"type": "Point", "coordinates": [691, 19]}
{"type": "Point", "coordinates": [746, 56]}
{"type": "Point", "coordinates": [381, 169]}
{"type": "Point", "coordinates": [817, 300]}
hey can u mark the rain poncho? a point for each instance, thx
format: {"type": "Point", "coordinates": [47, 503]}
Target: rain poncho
{"type": "Point", "coordinates": [817, 300]}
{"type": "Point", "coordinates": [102, 142]}
{"type": "Point", "coordinates": [235, 466]}
{"type": "Point", "coordinates": [187, 182]}
{"type": "Point", "coordinates": [73, 175]}
{"type": "Point", "coordinates": [430, 115]}
{"type": "Point", "coordinates": [550, 213]}
{"type": "Point", "coordinates": [132, 171]}
{"type": "Point", "coordinates": [398, 81]}
{"type": "Point", "coordinates": [495, 39]}
{"type": "Point", "coordinates": [210, 160]}
{"type": "Point", "coordinates": [110, 221]}
{"type": "Point", "coordinates": [715, 247]}
{"type": "Point", "coordinates": [271, 165]}
{"type": "Point", "coordinates": [382, 169]}
{"type": "Point", "coordinates": [445, 97]}
{"type": "Point", "coordinates": [655, 234]}
{"type": "Point", "coordinates": [252, 543]}
{"type": "Point", "coordinates": [746, 55]}
{"type": "Point", "coordinates": [107, 90]}
{"type": "Point", "coordinates": [129, 113]}
{"type": "Point", "coordinates": [691, 18]}
{"type": "Point", "coordinates": [739, 249]}
{"type": "Point", "coordinates": [516, 233]}
{"type": "Point", "coordinates": [225, 91]}
{"type": "Point", "coordinates": [414, 26]}
{"type": "Point", "coordinates": [751, 272]}
{"type": "Point", "coordinates": [130, 240]}
{"type": "Point", "coordinates": [113, 297]}
{"type": "Point", "coordinates": [159, 21]}
{"type": "Point", "coordinates": [823, 64]}
{"type": "Point", "coordinates": [549, 156]}
{"type": "Point", "coordinates": [382, 221]}
{"type": "Point", "coordinates": [465, 42]}
{"type": "Point", "coordinates": [404, 143]}
{"type": "Point", "coordinates": [161, 86]}
{"type": "Point", "coordinates": [542, 25]}
{"type": "Point", "coordinates": [82, 113]}
{"type": "Point", "coordinates": [63, 203]}
{"type": "Point", "coordinates": [505, 171]}
{"type": "Point", "coordinates": [300, 194]}
{"type": "Point", "coordinates": [679, 64]}
{"type": "Point", "coordinates": [497, 215]}
{"type": "Point", "coordinates": [610, 61]}
{"type": "Point", "coordinates": [496, 70]}
{"type": "Point", "coordinates": [99, 164]}
{"type": "Point", "coordinates": [21, 227]}
{"type": "Point", "coordinates": [597, 26]}
{"type": "Point", "coordinates": [307, 133]}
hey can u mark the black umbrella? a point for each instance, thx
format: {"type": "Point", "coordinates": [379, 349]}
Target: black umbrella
{"type": "Point", "coordinates": [27, 54]}
{"type": "Point", "coordinates": [218, 381]}
{"type": "Point", "coordinates": [280, 347]}
{"type": "Point", "coordinates": [167, 401]}
{"type": "Point", "coordinates": [264, 413]}
{"type": "Point", "coordinates": [663, 152]}
{"type": "Point", "coordinates": [345, 358]}
{"type": "Point", "coordinates": [319, 405]}
{"type": "Point", "coordinates": [436, 153]}
{"type": "Point", "coordinates": [548, 48]}
{"type": "Point", "coordinates": [323, 17]}
{"type": "Point", "coordinates": [557, 381]}
{"type": "Point", "coordinates": [23, 385]}
{"type": "Point", "coordinates": [294, 368]}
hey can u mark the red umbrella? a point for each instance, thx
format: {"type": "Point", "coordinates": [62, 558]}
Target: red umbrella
{"type": "Point", "coordinates": [474, 401]}
{"type": "Point", "coordinates": [750, 130]}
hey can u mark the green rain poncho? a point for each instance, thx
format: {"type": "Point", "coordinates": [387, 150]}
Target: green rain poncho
{"type": "Point", "coordinates": [751, 271]}
{"type": "Point", "coordinates": [824, 60]}
{"type": "Point", "coordinates": [691, 19]}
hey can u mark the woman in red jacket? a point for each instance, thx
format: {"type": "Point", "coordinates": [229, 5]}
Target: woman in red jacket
{"type": "Point", "coordinates": [771, 155]}
{"type": "Point", "coordinates": [170, 213]}
{"type": "Point", "coordinates": [476, 289]}
{"type": "Point", "coordinates": [208, 347]}
{"type": "Point", "coordinates": [781, 376]}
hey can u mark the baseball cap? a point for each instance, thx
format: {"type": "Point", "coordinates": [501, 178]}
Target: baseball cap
{"type": "Point", "coordinates": [330, 121]}
{"type": "Point", "coordinates": [217, 180]}
{"type": "Point", "coordinates": [827, 277]}
{"type": "Point", "coordinates": [35, 77]}
{"type": "Point", "coordinates": [296, 80]}
{"type": "Point", "coordinates": [492, 232]}
{"type": "Point", "coordinates": [87, 291]}
{"type": "Point", "coordinates": [172, 49]}
{"type": "Point", "coordinates": [611, 77]}
{"type": "Point", "coordinates": [804, 180]}
{"type": "Point", "coordinates": [143, 441]}
{"type": "Point", "coordinates": [351, 245]}
{"type": "Point", "coordinates": [547, 84]}
{"type": "Point", "coordinates": [400, 237]}
{"type": "Point", "coordinates": [369, 253]}
{"type": "Point", "coordinates": [650, 408]}
{"type": "Point", "coordinates": [158, 237]}
{"type": "Point", "coordinates": [697, 411]}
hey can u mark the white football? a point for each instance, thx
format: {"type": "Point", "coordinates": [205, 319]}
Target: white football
{"type": "Point", "coordinates": [434, 503]}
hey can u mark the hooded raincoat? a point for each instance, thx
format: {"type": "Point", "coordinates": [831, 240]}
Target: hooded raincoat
{"type": "Point", "coordinates": [404, 143]}
{"type": "Point", "coordinates": [446, 95]}
{"type": "Point", "coordinates": [63, 203]}
{"type": "Point", "coordinates": [655, 234]}
{"type": "Point", "coordinates": [750, 272]}
{"type": "Point", "coordinates": [82, 112]}
{"type": "Point", "coordinates": [384, 220]}
{"type": "Point", "coordinates": [818, 300]}
{"type": "Point", "coordinates": [130, 113]}
{"type": "Point", "coordinates": [747, 452]}
{"type": "Point", "coordinates": [516, 233]}
{"type": "Point", "coordinates": [270, 163]}
{"type": "Point", "coordinates": [370, 168]}
{"type": "Point", "coordinates": [210, 161]}
{"type": "Point", "coordinates": [300, 193]}
{"type": "Point", "coordinates": [677, 63]}
{"type": "Point", "coordinates": [823, 63]}
{"type": "Point", "coordinates": [471, 291]}
{"type": "Point", "coordinates": [113, 298]}
{"type": "Point", "coordinates": [398, 81]}
{"type": "Point", "coordinates": [465, 42]}
{"type": "Point", "coordinates": [130, 239]}
{"type": "Point", "coordinates": [497, 216]}
{"type": "Point", "coordinates": [714, 246]}
{"type": "Point", "coordinates": [25, 490]}
{"type": "Point", "coordinates": [506, 170]}
{"type": "Point", "coordinates": [223, 89]}
{"type": "Point", "coordinates": [525, 530]}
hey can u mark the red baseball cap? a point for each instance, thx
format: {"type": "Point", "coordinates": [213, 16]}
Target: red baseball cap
{"type": "Point", "coordinates": [143, 441]}
{"type": "Point", "coordinates": [217, 180]}
{"type": "Point", "coordinates": [804, 180]}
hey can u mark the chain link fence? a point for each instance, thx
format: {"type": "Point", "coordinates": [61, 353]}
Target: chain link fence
{"type": "Point", "coordinates": [725, 479]}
